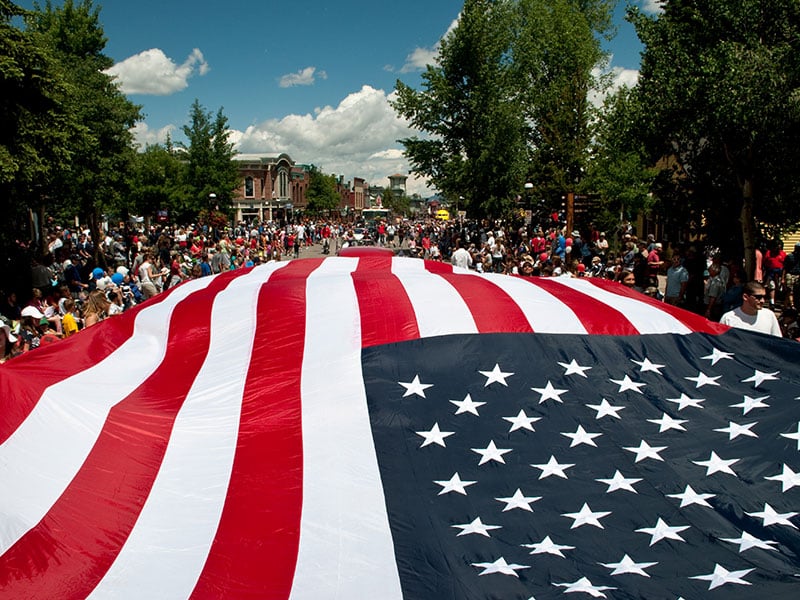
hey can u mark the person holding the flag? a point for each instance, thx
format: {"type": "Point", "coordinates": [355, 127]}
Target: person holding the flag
{"type": "Point", "coordinates": [750, 315]}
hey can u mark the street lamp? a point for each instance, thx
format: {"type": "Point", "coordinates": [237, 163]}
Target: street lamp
{"type": "Point", "coordinates": [270, 206]}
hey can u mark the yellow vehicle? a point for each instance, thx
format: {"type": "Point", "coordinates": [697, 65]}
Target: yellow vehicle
{"type": "Point", "coordinates": [443, 215]}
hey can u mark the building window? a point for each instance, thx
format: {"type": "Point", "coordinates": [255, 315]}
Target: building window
{"type": "Point", "coordinates": [249, 190]}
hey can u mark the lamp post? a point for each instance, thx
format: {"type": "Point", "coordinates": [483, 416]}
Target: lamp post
{"type": "Point", "coordinates": [272, 202]}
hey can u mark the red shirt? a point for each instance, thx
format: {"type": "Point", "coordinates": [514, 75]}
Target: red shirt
{"type": "Point", "coordinates": [773, 260]}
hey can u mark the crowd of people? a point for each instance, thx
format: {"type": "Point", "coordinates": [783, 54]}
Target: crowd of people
{"type": "Point", "coordinates": [70, 290]}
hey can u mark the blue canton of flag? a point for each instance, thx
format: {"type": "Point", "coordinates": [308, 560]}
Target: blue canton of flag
{"type": "Point", "coordinates": [659, 466]}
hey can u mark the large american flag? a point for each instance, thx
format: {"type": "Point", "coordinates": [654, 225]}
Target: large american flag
{"type": "Point", "coordinates": [382, 427]}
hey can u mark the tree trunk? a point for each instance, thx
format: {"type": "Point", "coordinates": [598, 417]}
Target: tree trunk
{"type": "Point", "coordinates": [748, 229]}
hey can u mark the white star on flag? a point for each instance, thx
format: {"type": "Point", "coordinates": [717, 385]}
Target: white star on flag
{"type": "Point", "coordinates": [454, 484]}
{"type": "Point", "coordinates": [685, 401]}
{"type": "Point", "coordinates": [769, 516]}
{"type": "Point", "coordinates": [734, 430]}
{"type": "Point", "coordinates": [522, 421]}
{"type": "Point", "coordinates": [663, 531]}
{"type": "Point", "coordinates": [760, 377]}
{"type": "Point", "coordinates": [747, 541]}
{"type": "Point", "coordinates": [794, 436]}
{"type": "Point", "coordinates": [715, 464]}
{"type": "Point", "coordinates": [787, 477]}
{"type": "Point", "coordinates": [586, 516]}
{"type": "Point", "coordinates": [548, 546]}
{"type": "Point", "coordinates": [583, 585]}
{"type": "Point", "coordinates": [495, 376]}
{"type": "Point", "coordinates": [476, 527]}
{"type": "Point", "coordinates": [703, 379]}
{"type": "Point", "coordinates": [553, 467]}
{"type": "Point", "coordinates": [491, 452]}
{"type": "Point", "coordinates": [665, 423]}
{"type": "Point", "coordinates": [467, 405]}
{"type": "Point", "coordinates": [627, 565]}
{"type": "Point", "coordinates": [689, 497]}
{"type": "Point", "coordinates": [645, 451]}
{"type": "Point", "coordinates": [499, 566]}
{"type": "Point", "coordinates": [581, 436]}
{"type": "Point", "coordinates": [619, 482]}
{"type": "Point", "coordinates": [519, 500]}
{"type": "Point", "coordinates": [573, 368]}
{"type": "Point", "coordinates": [549, 393]}
{"type": "Point", "coordinates": [751, 403]}
{"type": "Point", "coordinates": [721, 576]}
{"type": "Point", "coordinates": [717, 355]}
{"type": "Point", "coordinates": [626, 384]}
{"type": "Point", "coordinates": [415, 387]}
{"type": "Point", "coordinates": [604, 409]}
{"type": "Point", "coordinates": [434, 436]}
{"type": "Point", "coordinates": [645, 366]}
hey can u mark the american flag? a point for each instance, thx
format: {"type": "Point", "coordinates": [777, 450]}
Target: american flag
{"type": "Point", "coordinates": [382, 427]}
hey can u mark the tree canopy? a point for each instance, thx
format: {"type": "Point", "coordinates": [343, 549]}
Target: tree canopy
{"type": "Point", "coordinates": [720, 82]}
{"type": "Point", "coordinates": [507, 101]}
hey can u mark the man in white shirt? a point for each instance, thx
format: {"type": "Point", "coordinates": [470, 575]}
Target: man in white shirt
{"type": "Point", "coordinates": [751, 314]}
{"type": "Point", "coordinates": [461, 257]}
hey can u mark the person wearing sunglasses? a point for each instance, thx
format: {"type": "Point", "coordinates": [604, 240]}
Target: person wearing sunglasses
{"type": "Point", "coordinates": [751, 314]}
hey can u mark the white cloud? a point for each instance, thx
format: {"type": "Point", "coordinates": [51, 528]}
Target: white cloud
{"type": "Point", "coordinates": [619, 77]}
{"type": "Point", "coordinates": [144, 136]}
{"type": "Point", "coordinates": [153, 72]}
{"type": "Point", "coordinates": [422, 57]}
{"type": "Point", "coordinates": [652, 6]}
{"type": "Point", "coordinates": [303, 77]}
{"type": "Point", "coordinates": [357, 138]}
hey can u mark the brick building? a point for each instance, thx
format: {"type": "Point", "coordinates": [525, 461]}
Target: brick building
{"type": "Point", "coordinates": [272, 187]}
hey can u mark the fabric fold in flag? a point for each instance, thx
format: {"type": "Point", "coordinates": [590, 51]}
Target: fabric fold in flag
{"type": "Point", "coordinates": [385, 427]}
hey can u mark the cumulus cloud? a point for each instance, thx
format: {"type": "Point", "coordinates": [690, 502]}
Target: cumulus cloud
{"type": "Point", "coordinates": [652, 6]}
{"type": "Point", "coordinates": [144, 136]}
{"type": "Point", "coordinates": [422, 57]}
{"type": "Point", "coordinates": [357, 138]}
{"type": "Point", "coordinates": [617, 77]}
{"type": "Point", "coordinates": [305, 76]}
{"type": "Point", "coordinates": [153, 72]}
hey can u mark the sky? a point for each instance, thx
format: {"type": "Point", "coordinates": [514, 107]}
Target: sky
{"type": "Point", "coordinates": [311, 79]}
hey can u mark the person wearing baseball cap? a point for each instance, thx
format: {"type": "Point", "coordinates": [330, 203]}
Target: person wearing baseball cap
{"type": "Point", "coordinates": [7, 339]}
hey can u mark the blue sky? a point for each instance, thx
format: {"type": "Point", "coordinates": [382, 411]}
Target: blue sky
{"type": "Point", "coordinates": [311, 79]}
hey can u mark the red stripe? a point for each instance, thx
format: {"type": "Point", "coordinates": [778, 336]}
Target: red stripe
{"type": "Point", "coordinates": [23, 381]}
{"type": "Point", "coordinates": [596, 316]}
{"type": "Point", "coordinates": [387, 315]}
{"type": "Point", "coordinates": [493, 310]}
{"type": "Point", "coordinates": [693, 321]}
{"type": "Point", "coordinates": [61, 552]}
{"type": "Point", "coordinates": [255, 550]}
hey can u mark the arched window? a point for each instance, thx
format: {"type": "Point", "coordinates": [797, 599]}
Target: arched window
{"type": "Point", "coordinates": [249, 189]}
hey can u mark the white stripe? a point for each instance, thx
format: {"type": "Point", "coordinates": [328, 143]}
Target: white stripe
{"type": "Point", "coordinates": [40, 459]}
{"type": "Point", "coordinates": [346, 548]}
{"type": "Point", "coordinates": [644, 317]}
{"type": "Point", "coordinates": [545, 312]}
{"type": "Point", "coordinates": [165, 553]}
{"type": "Point", "coordinates": [429, 293]}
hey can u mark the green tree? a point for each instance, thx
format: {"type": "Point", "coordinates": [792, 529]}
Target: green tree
{"type": "Point", "coordinates": [397, 203]}
{"type": "Point", "coordinates": [556, 52]}
{"type": "Point", "coordinates": [507, 101]}
{"type": "Point", "coordinates": [720, 80]}
{"type": "Point", "coordinates": [321, 194]}
{"type": "Point", "coordinates": [210, 168]}
{"type": "Point", "coordinates": [157, 181]}
{"type": "Point", "coordinates": [94, 179]}
{"type": "Point", "coordinates": [473, 143]}
{"type": "Point", "coordinates": [618, 170]}
{"type": "Point", "coordinates": [36, 127]}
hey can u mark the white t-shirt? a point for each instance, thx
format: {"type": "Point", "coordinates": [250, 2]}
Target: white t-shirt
{"type": "Point", "coordinates": [764, 321]}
